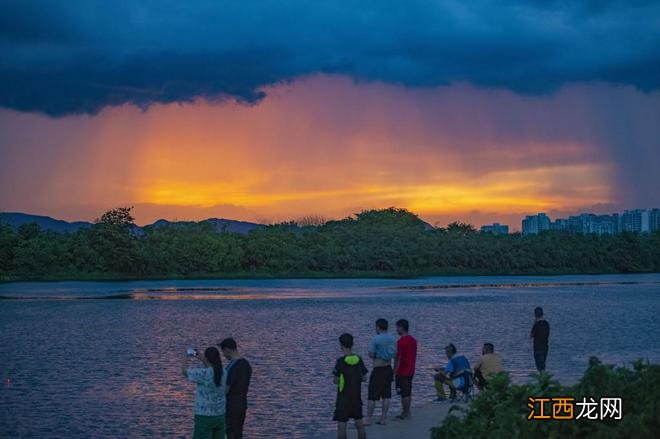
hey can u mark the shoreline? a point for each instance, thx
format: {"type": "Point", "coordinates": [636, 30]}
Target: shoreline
{"type": "Point", "coordinates": [308, 276]}
{"type": "Point", "coordinates": [424, 418]}
{"type": "Point", "coordinates": [157, 293]}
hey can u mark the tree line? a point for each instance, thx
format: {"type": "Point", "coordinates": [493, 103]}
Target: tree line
{"type": "Point", "coordinates": [387, 242]}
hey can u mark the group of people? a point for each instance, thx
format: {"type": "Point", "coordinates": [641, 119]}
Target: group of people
{"type": "Point", "coordinates": [221, 394]}
{"type": "Point", "coordinates": [394, 361]}
{"type": "Point", "coordinates": [349, 373]}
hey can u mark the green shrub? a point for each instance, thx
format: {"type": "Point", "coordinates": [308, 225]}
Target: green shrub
{"type": "Point", "coordinates": [502, 411]}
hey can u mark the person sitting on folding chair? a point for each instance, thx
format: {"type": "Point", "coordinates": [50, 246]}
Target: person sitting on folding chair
{"type": "Point", "coordinates": [488, 365]}
{"type": "Point", "coordinates": [456, 375]}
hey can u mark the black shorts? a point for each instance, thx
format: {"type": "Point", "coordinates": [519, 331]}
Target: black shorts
{"type": "Point", "coordinates": [404, 386]}
{"type": "Point", "coordinates": [345, 410]}
{"type": "Point", "coordinates": [380, 383]}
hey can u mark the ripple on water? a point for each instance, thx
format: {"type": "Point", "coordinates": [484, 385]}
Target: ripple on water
{"type": "Point", "coordinates": [111, 368]}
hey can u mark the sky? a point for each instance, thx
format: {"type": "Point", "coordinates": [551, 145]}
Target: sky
{"type": "Point", "coordinates": [275, 110]}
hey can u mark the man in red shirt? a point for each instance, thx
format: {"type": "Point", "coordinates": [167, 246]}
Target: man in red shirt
{"type": "Point", "coordinates": [404, 366]}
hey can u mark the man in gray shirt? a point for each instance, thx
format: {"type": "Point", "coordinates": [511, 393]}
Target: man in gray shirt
{"type": "Point", "coordinates": [382, 349]}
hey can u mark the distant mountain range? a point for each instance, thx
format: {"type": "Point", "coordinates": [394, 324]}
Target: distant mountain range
{"type": "Point", "coordinates": [16, 219]}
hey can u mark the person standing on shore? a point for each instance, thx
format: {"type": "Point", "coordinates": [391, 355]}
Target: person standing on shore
{"type": "Point", "coordinates": [404, 366]}
{"type": "Point", "coordinates": [349, 373]}
{"type": "Point", "coordinates": [540, 334]}
{"type": "Point", "coordinates": [209, 395]}
{"type": "Point", "coordinates": [382, 349]}
{"type": "Point", "coordinates": [238, 373]}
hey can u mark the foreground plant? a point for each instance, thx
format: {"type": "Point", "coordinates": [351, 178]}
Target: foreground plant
{"type": "Point", "coordinates": [502, 411]}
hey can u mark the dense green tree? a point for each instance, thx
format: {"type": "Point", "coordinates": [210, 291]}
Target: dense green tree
{"type": "Point", "coordinates": [389, 242]}
{"type": "Point", "coordinates": [120, 217]}
{"type": "Point", "coordinates": [113, 239]}
{"type": "Point", "coordinates": [8, 241]}
{"type": "Point", "coordinates": [459, 228]}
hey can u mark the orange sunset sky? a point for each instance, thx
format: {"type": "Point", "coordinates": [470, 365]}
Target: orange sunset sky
{"type": "Point", "coordinates": [326, 145]}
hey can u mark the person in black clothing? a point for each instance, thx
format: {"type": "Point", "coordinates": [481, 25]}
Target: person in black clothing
{"type": "Point", "coordinates": [239, 373]}
{"type": "Point", "coordinates": [540, 333]}
{"type": "Point", "coordinates": [349, 373]}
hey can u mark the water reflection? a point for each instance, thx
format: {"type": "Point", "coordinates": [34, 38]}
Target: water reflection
{"type": "Point", "coordinates": [80, 368]}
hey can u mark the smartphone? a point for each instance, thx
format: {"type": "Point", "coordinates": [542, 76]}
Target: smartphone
{"type": "Point", "coordinates": [191, 352]}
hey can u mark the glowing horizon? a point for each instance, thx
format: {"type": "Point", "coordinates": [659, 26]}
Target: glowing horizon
{"type": "Point", "coordinates": [327, 146]}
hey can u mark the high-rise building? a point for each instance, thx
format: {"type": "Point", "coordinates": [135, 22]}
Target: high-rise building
{"type": "Point", "coordinates": [654, 220]}
{"type": "Point", "coordinates": [575, 224]}
{"type": "Point", "coordinates": [588, 223]}
{"type": "Point", "coordinates": [616, 219]}
{"type": "Point", "coordinates": [530, 225]}
{"type": "Point", "coordinates": [560, 225]}
{"type": "Point", "coordinates": [544, 222]}
{"type": "Point", "coordinates": [635, 221]}
{"type": "Point", "coordinates": [495, 229]}
{"type": "Point", "coordinates": [534, 224]}
{"type": "Point", "coordinates": [603, 225]}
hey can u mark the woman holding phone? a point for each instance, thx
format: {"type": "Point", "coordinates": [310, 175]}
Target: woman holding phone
{"type": "Point", "coordinates": [210, 393]}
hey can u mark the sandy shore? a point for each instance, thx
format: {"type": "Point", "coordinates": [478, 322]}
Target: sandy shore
{"type": "Point", "coordinates": [423, 418]}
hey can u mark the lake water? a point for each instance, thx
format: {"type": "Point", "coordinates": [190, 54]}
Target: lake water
{"type": "Point", "coordinates": [100, 359]}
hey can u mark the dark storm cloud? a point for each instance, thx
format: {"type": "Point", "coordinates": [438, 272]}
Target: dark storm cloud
{"type": "Point", "coordinates": [80, 56]}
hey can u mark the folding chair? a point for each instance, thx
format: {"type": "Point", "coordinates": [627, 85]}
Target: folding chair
{"type": "Point", "coordinates": [465, 391]}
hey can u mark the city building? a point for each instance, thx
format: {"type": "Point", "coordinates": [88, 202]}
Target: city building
{"type": "Point", "coordinates": [560, 224]}
{"type": "Point", "coordinates": [535, 224]}
{"type": "Point", "coordinates": [495, 229]}
{"type": "Point", "coordinates": [617, 222]}
{"type": "Point", "coordinates": [589, 223]}
{"type": "Point", "coordinates": [636, 220]}
{"type": "Point", "coordinates": [654, 220]}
